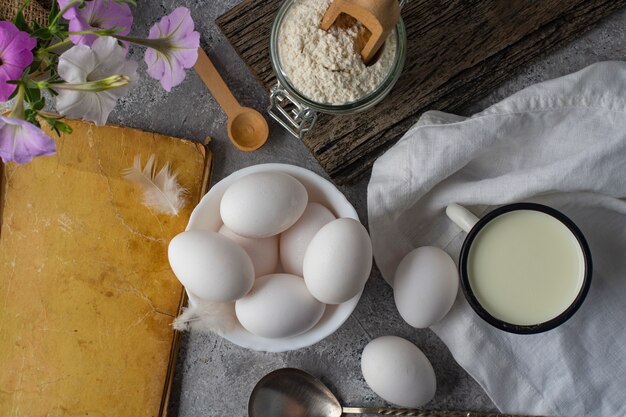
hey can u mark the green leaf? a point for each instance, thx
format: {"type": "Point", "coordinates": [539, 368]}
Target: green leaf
{"type": "Point", "coordinates": [54, 10]}
{"type": "Point", "coordinates": [39, 105]}
{"type": "Point", "coordinates": [30, 116]}
{"type": "Point", "coordinates": [20, 21]}
{"type": "Point", "coordinates": [63, 26]}
{"type": "Point", "coordinates": [33, 95]}
{"type": "Point", "coordinates": [43, 33]}
{"type": "Point", "coordinates": [131, 2]}
{"type": "Point", "coordinates": [51, 69]}
{"type": "Point", "coordinates": [13, 94]}
{"type": "Point", "coordinates": [51, 121]}
{"type": "Point", "coordinates": [34, 66]}
{"type": "Point", "coordinates": [62, 127]}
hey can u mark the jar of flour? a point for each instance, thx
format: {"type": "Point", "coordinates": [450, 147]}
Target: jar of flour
{"type": "Point", "coordinates": [321, 71]}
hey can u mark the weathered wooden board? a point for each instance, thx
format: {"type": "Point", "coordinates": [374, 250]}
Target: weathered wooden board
{"type": "Point", "coordinates": [458, 51]}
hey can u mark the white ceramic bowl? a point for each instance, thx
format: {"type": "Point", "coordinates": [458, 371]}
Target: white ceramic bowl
{"type": "Point", "coordinates": [206, 216]}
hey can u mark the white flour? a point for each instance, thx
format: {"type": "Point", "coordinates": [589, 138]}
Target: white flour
{"type": "Point", "coordinates": [324, 66]}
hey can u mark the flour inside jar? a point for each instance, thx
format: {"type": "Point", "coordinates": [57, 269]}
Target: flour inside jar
{"type": "Point", "coordinates": [325, 66]}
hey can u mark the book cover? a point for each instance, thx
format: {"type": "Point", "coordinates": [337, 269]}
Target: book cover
{"type": "Point", "coordinates": [87, 296]}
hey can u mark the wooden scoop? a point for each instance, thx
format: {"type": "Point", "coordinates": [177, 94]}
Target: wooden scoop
{"type": "Point", "coordinates": [247, 128]}
{"type": "Point", "coordinates": [378, 16]}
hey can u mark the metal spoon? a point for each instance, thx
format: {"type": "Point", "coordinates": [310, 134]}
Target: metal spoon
{"type": "Point", "coordinates": [291, 392]}
{"type": "Point", "coordinates": [247, 128]}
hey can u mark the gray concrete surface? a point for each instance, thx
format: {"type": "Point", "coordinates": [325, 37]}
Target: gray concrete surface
{"type": "Point", "coordinates": [214, 377]}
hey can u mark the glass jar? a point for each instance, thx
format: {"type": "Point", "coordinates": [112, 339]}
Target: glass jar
{"type": "Point", "coordinates": [296, 112]}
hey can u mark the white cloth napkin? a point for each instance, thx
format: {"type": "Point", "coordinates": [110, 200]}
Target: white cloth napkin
{"type": "Point", "coordinates": [560, 143]}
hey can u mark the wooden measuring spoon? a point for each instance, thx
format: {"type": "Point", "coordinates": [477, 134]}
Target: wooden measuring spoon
{"type": "Point", "coordinates": [247, 128]}
{"type": "Point", "coordinates": [378, 16]}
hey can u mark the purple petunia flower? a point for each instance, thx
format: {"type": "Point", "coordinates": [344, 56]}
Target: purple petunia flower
{"type": "Point", "coordinates": [175, 49]}
{"type": "Point", "coordinates": [15, 55]}
{"type": "Point", "coordinates": [95, 15]}
{"type": "Point", "coordinates": [21, 141]}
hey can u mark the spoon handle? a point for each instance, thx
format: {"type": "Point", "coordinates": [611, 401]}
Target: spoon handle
{"type": "Point", "coordinates": [422, 413]}
{"type": "Point", "coordinates": [215, 83]}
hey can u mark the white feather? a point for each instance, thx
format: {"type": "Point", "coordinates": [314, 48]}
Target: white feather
{"type": "Point", "coordinates": [161, 190]}
{"type": "Point", "coordinates": [207, 317]}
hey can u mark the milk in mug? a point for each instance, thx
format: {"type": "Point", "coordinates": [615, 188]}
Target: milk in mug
{"type": "Point", "coordinates": [525, 267]}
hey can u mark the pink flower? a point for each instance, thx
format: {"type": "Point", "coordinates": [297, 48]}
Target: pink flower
{"type": "Point", "coordinates": [97, 15]}
{"type": "Point", "coordinates": [173, 46]}
{"type": "Point", "coordinates": [21, 141]}
{"type": "Point", "coordinates": [15, 55]}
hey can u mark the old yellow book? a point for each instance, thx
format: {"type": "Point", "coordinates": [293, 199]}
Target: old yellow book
{"type": "Point", "coordinates": [87, 296]}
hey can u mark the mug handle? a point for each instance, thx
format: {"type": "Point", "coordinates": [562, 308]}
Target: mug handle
{"type": "Point", "coordinates": [461, 216]}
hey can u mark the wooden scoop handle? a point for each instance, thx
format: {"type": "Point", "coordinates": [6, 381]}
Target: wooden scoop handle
{"type": "Point", "coordinates": [378, 16]}
{"type": "Point", "coordinates": [216, 85]}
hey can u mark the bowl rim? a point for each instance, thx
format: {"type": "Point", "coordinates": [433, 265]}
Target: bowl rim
{"type": "Point", "coordinates": [518, 328]}
{"type": "Point", "coordinates": [334, 315]}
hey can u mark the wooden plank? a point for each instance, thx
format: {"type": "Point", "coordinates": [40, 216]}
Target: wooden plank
{"type": "Point", "coordinates": [458, 52]}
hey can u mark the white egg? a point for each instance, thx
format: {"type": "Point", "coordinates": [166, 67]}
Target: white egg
{"type": "Point", "coordinates": [263, 252]}
{"type": "Point", "coordinates": [211, 266]}
{"type": "Point", "coordinates": [295, 240]}
{"type": "Point", "coordinates": [278, 305]}
{"type": "Point", "coordinates": [425, 286]}
{"type": "Point", "coordinates": [338, 261]}
{"type": "Point", "coordinates": [263, 204]}
{"type": "Point", "coordinates": [398, 372]}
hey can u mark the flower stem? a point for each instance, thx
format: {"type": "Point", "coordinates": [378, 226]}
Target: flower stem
{"type": "Point", "coordinates": [18, 109]}
{"type": "Point", "coordinates": [157, 44]}
{"type": "Point", "coordinates": [55, 46]}
{"type": "Point", "coordinates": [114, 81]}
{"type": "Point", "coordinates": [48, 114]}
{"type": "Point", "coordinates": [103, 32]}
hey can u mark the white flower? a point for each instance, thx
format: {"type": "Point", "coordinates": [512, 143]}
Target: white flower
{"type": "Point", "coordinates": [82, 66]}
